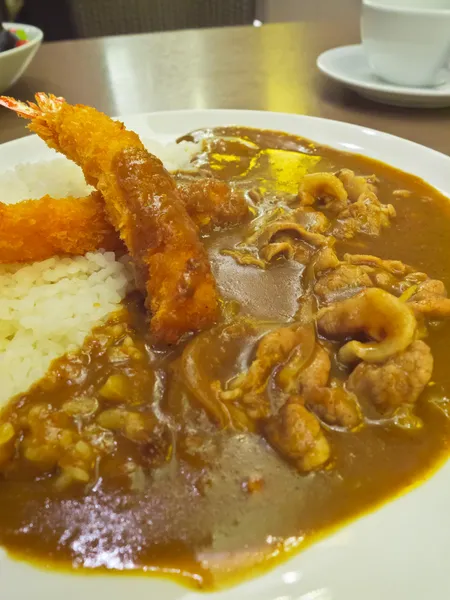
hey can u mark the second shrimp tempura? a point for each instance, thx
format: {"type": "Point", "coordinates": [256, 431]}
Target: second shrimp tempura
{"type": "Point", "coordinates": [38, 229]}
{"type": "Point", "coordinates": [142, 203]}
{"type": "Point", "coordinates": [79, 225]}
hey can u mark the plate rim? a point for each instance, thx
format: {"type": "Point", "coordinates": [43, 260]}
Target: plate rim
{"type": "Point", "coordinates": [32, 137]}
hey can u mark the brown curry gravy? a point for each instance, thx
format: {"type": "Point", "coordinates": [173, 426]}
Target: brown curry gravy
{"type": "Point", "coordinates": [225, 511]}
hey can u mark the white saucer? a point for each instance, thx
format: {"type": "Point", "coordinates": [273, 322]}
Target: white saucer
{"type": "Point", "coordinates": [349, 65]}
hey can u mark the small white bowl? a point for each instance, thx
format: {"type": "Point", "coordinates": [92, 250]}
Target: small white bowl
{"type": "Point", "coordinates": [14, 62]}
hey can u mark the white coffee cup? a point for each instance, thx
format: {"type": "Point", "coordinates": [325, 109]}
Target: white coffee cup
{"type": "Point", "coordinates": [407, 42]}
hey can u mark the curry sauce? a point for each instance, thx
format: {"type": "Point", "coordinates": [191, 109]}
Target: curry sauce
{"type": "Point", "coordinates": [152, 481]}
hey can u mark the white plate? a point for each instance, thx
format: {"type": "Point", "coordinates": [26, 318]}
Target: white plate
{"type": "Point", "coordinates": [349, 66]}
{"type": "Point", "coordinates": [398, 552]}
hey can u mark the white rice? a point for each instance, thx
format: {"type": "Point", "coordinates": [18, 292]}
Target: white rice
{"type": "Point", "coordinates": [174, 156]}
{"type": "Point", "coordinates": [48, 308]}
{"type": "Point", "coordinates": [59, 177]}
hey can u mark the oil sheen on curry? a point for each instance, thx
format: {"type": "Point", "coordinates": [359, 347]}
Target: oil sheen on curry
{"type": "Point", "coordinates": [319, 394]}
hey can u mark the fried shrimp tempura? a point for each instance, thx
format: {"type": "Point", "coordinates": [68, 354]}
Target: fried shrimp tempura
{"type": "Point", "coordinates": [75, 226]}
{"type": "Point", "coordinates": [80, 225]}
{"type": "Point", "coordinates": [142, 203]}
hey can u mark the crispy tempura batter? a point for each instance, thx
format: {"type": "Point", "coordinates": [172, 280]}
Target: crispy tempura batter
{"type": "Point", "coordinates": [164, 242]}
{"type": "Point", "coordinates": [38, 229]}
{"type": "Point", "coordinates": [143, 205]}
{"type": "Point", "coordinates": [79, 225]}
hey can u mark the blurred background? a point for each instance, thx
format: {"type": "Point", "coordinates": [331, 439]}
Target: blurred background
{"type": "Point", "coordinates": [72, 19]}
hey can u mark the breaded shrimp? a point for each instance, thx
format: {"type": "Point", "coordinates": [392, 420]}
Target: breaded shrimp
{"type": "Point", "coordinates": [143, 205]}
{"type": "Point", "coordinates": [80, 225]}
{"type": "Point", "coordinates": [38, 229]}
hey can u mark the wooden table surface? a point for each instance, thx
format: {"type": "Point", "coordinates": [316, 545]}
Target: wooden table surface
{"type": "Point", "coordinates": [268, 68]}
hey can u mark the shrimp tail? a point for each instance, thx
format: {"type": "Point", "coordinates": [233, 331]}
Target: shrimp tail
{"type": "Point", "coordinates": [42, 115]}
{"type": "Point", "coordinates": [45, 103]}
